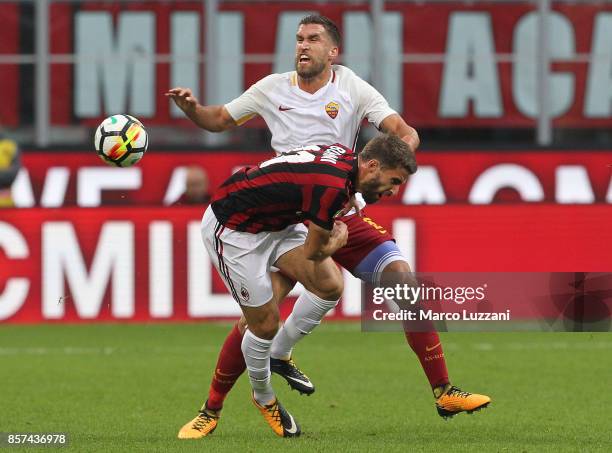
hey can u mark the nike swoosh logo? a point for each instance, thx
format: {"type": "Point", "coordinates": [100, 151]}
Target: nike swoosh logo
{"type": "Point", "coordinates": [429, 349]}
{"type": "Point", "coordinates": [284, 109]}
{"type": "Point", "coordinates": [304, 383]}
{"type": "Point", "coordinates": [224, 374]}
{"type": "Point", "coordinates": [293, 428]}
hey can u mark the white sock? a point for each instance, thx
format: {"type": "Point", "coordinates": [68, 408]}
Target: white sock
{"type": "Point", "coordinates": [307, 314]}
{"type": "Point", "coordinates": [256, 353]}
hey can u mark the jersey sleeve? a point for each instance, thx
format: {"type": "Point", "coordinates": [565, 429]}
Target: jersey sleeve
{"type": "Point", "coordinates": [322, 204]}
{"type": "Point", "coordinates": [372, 104]}
{"type": "Point", "coordinates": [248, 104]}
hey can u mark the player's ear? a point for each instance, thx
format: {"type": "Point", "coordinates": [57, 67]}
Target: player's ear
{"type": "Point", "coordinates": [333, 52]}
{"type": "Point", "coordinates": [373, 165]}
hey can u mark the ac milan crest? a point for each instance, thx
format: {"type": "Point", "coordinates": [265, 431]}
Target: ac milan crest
{"type": "Point", "coordinates": [244, 293]}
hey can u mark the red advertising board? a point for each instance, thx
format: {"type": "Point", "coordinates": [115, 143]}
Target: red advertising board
{"type": "Point", "coordinates": [9, 74]}
{"type": "Point", "coordinates": [65, 179]}
{"type": "Point", "coordinates": [149, 264]}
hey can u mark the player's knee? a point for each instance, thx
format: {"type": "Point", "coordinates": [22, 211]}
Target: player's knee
{"type": "Point", "coordinates": [397, 273]}
{"type": "Point", "coordinates": [268, 326]}
{"type": "Point", "coordinates": [333, 293]}
{"type": "Point", "coordinates": [330, 288]}
{"type": "Point", "coordinates": [398, 267]}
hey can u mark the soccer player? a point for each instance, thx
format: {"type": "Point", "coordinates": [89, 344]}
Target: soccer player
{"type": "Point", "coordinates": [255, 222]}
{"type": "Point", "coordinates": [10, 163]}
{"type": "Point", "coordinates": [321, 102]}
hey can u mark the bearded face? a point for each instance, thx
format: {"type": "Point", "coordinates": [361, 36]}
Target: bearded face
{"type": "Point", "coordinates": [379, 182]}
{"type": "Point", "coordinates": [371, 190]}
{"type": "Point", "coordinates": [309, 66]}
{"type": "Point", "coordinates": [313, 50]}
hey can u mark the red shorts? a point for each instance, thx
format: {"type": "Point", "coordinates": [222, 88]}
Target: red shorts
{"type": "Point", "coordinates": [364, 235]}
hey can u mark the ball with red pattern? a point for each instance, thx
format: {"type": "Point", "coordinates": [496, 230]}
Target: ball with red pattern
{"type": "Point", "coordinates": [121, 140]}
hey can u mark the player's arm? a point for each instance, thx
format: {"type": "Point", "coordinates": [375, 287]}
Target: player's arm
{"type": "Point", "coordinates": [213, 118]}
{"type": "Point", "coordinates": [375, 107]}
{"type": "Point", "coordinates": [321, 243]}
{"type": "Point", "coordinates": [395, 124]}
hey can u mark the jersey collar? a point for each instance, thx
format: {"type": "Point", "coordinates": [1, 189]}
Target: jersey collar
{"type": "Point", "coordinates": [317, 94]}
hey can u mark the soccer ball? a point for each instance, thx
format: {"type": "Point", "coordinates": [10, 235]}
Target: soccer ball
{"type": "Point", "coordinates": [121, 140]}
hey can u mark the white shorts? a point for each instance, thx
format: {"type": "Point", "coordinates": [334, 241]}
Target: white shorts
{"type": "Point", "coordinates": [244, 260]}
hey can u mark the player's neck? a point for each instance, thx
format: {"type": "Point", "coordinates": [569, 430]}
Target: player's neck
{"type": "Point", "coordinates": [314, 84]}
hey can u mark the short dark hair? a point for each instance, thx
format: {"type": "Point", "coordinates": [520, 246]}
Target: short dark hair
{"type": "Point", "coordinates": [391, 151]}
{"type": "Point", "coordinates": [330, 27]}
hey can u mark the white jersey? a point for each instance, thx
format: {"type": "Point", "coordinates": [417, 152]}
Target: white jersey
{"type": "Point", "coordinates": [296, 118]}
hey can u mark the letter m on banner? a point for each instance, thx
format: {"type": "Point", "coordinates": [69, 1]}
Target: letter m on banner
{"type": "Point", "coordinates": [64, 262]}
{"type": "Point", "coordinates": [108, 63]}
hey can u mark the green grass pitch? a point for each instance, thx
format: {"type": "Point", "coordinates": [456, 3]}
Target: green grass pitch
{"type": "Point", "coordinates": [131, 387]}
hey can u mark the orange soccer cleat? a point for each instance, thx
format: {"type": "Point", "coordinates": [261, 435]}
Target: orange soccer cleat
{"type": "Point", "coordinates": [281, 421]}
{"type": "Point", "coordinates": [453, 401]}
{"type": "Point", "coordinates": [203, 425]}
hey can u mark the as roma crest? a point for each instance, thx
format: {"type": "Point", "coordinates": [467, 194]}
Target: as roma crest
{"type": "Point", "coordinates": [332, 109]}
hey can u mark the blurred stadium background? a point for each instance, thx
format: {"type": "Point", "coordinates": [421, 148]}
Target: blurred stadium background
{"type": "Point", "coordinates": [513, 102]}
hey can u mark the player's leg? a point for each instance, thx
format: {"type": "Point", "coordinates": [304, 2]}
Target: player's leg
{"type": "Point", "coordinates": [230, 365]}
{"type": "Point", "coordinates": [307, 313]}
{"type": "Point", "coordinates": [323, 287]}
{"type": "Point", "coordinates": [386, 266]}
{"type": "Point", "coordinates": [248, 278]}
{"type": "Point", "coordinates": [450, 400]}
{"type": "Point", "coordinates": [258, 298]}
{"type": "Point", "coordinates": [262, 322]}
{"type": "Point", "coordinates": [230, 362]}
{"type": "Point", "coordinates": [323, 280]}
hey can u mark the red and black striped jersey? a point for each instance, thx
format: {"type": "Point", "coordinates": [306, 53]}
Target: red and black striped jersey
{"type": "Point", "coordinates": [311, 183]}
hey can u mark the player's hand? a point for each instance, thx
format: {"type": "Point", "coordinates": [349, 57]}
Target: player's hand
{"type": "Point", "coordinates": [183, 98]}
{"type": "Point", "coordinates": [339, 234]}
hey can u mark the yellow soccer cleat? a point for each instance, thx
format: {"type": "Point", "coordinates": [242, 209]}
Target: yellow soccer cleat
{"type": "Point", "coordinates": [281, 421]}
{"type": "Point", "coordinates": [453, 401]}
{"type": "Point", "coordinates": [203, 425]}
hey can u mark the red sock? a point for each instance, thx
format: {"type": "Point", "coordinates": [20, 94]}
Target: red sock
{"type": "Point", "coordinates": [427, 347]}
{"type": "Point", "coordinates": [230, 365]}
